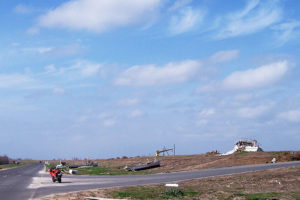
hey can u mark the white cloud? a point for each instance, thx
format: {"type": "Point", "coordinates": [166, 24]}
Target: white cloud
{"type": "Point", "coordinates": [81, 69]}
{"type": "Point", "coordinates": [201, 122]}
{"type": "Point", "coordinates": [33, 31]}
{"type": "Point", "coordinates": [243, 97]}
{"type": "Point", "coordinates": [50, 68]}
{"type": "Point", "coordinates": [39, 50]}
{"type": "Point", "coordinates": [179, 4]}
{"type": "Point", "coordinates": [252, 112]}
{"type": "Point", "coordinates": [99, 16]}
{"type": "Point", "coordinates": [129, 102]}
{"type": "Point", "coordinates": [109, 122]}
{"type": "Point", "coordinates": [24, 9]}
{"type": "Point", "coordinates": [106, 119]}
{"type": "Point", "coordinates": [259, 77]}
{"type": "Point", "coordinates": [204, 115]}
{"type": "Point", "coordinates": [67, 50]}
{"type": "Point", "coordinates": [14, 80]}
{"type": "Point", "coordinates": [206, 112]}
{"type": "Point", "coordinates": [60, 51]}
{"type": "Point", "coordinates": [151, 75]}
{"type": "Point", "coordinates": [89, 70]}
{"type": "Point", "coordinates": [136, 113]}
{"type": "Point", "coordinates": [291, 115]}
{"type": "Point", "coordinates": [224, 56]}
{"type": "Point", "coordinates": [186, 20]}
{"type": "Point", "coordinates": [287, 31]}
{"type": "Point", "coordinates": [253, 18]}
{"type": "Point", "coordinates": [59, 91]}
{"type": "Point", "coordinates": [82, 119]}
{"type": "Point", "coordinates": [102, 116]}
{"type": "Point", "coordinates": [43, 50]}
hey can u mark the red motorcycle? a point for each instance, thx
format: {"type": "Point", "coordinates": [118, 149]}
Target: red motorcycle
{"type": "Point", "coordinates": [56, 174]}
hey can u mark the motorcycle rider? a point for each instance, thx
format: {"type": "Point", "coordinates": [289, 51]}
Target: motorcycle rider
{"type": "Point", "coordinates": [56, 174]}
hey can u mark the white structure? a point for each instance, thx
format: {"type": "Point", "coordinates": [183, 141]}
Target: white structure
{"type": "Point", "coordinates": [244, 145]}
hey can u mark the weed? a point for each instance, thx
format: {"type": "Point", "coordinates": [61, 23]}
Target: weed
{"type": "Point", "coordinates": [260, 196]}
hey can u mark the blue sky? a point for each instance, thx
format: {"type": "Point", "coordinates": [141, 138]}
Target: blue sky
{"type": "Point", "coordinates": [107, 78]}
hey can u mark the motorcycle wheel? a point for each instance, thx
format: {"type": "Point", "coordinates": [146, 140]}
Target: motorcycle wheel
{"type": "Point", "coordinates": [53, 179]}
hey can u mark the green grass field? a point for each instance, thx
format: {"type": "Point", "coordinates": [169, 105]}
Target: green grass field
{"type": "Point", "coordinates": [112, 171]}
{"type": "Point", "coordinates": [102, 171]}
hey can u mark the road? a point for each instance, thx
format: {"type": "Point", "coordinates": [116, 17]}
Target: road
{"type": "Point", "coordinates": [14, 182]}
{"type": "Point", "coordinates": [32, 182]}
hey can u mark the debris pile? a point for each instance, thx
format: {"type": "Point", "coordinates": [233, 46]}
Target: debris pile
{"type": "Point", "coordinates": [148, 165]}
{"type": "Point", "coordinates": [86, 165]}
{"type": "Point", "coordinates": [4, 160]}
{"type": "Point", "coordinates": [244, 145]}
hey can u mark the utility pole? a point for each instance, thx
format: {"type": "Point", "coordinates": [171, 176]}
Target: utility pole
{"type": "Point", "coordinates": [174, 149]}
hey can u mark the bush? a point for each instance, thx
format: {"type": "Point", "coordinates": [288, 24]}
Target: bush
{"type": "Point", "coordinates": [174, 192]}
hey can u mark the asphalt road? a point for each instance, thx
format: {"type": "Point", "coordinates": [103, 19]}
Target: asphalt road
{"type": "Point", "coordinates": [14, 182]}
{"type": "Point", "coordinates": [31, 182]}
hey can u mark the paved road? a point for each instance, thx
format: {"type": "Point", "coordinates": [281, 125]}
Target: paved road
{"type": "Point", "coordinates": [18, 184]}
{"type": "Point", "coordinates": [14, 182]}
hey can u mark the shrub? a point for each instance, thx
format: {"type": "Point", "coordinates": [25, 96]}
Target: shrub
{"type": "Point", "coordinates": [174, 192]}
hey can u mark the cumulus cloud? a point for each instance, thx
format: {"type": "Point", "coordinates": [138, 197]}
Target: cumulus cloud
{"type": "Point", "coordinates": [152, 75]}
{"type": "Point", "coordinates": [99, 16]}
{"type": "Point", "coordinates": [224, 56]}
{"type": "Point", "coordinates": [255, 78]}
{"type": "Point", "coordinates": [252, 112]}
{"type": "Point", "coordinates": [185, 20]}
{"type": "Point", "coordinates": [253, 18]}
{"type": "Point", "coordinates": [291, 115]}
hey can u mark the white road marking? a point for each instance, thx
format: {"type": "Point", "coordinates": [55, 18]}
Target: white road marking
{"type": "Point", "coordinates": [42, 181]}
{"type": "Point", "coordinates": [39, 182]}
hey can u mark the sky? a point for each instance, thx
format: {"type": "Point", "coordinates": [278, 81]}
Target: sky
{"type": "Point", "coordinates": [108, 78]}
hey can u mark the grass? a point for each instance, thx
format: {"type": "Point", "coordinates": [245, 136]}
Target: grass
{"type": "Point", "coordinates": [143, 192]}
{"type": "Point", "coordinates": [102, 170]}
{"type": "Point", "coordinates": [260, 185]}
{"type": "Point", "coordinates": [261, 196]}
{"type": "Point", "coordinates": [10, 166]}
{"type": "Point", "coordinates": [112, 171]}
